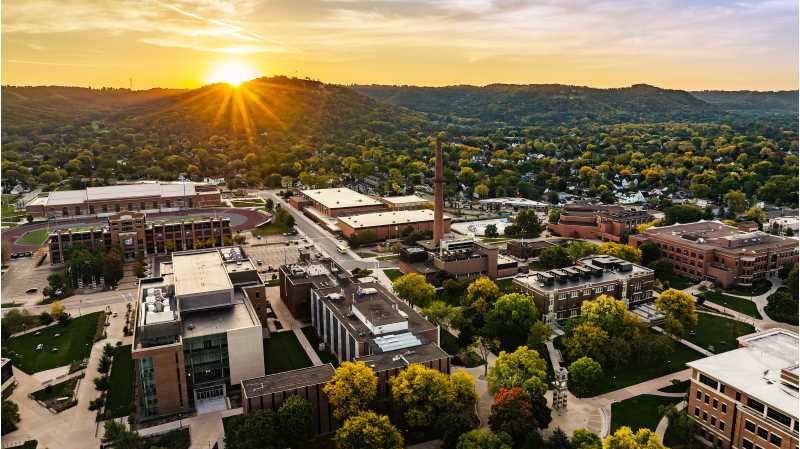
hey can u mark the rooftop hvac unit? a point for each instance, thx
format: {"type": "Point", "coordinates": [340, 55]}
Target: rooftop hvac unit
{"type": "Point", "coordinates": [367, 291]}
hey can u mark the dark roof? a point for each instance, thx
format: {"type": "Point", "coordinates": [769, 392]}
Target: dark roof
{"type": "Point", "coordinates": [287, 380]}
{"type": "Point", "coordinates": [403, 357]}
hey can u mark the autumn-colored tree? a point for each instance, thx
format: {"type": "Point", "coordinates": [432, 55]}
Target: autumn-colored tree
{"type": "Point", "coordinates": [584, 439]}
{"type": "Point", "coordinates": [516, 413]}
{"type": "Point", "coordinates": [351, 389]}
{"type": "Point", "coordinates": [586, 339]}
{"type": "Point", "coordinates": [425, 393]}
{"type": "Point", "coordinates": [482, 439]}
{"type": "Point", "coordinates": [481, 293]}
{"type": "Point", "coordinates": [413, 288]}
{"type": "Point", "coordinates": [621, 250]}
{"type": "Point", "coordinates": [510, 319]}
{"type": "Point", "coordinates": [625, 438]}
{"type": "Point", "coordinates": [521, 368]}
{"type": "Point", "coordinates": [368, 430]}
{"type": "Point", "coordinates": [584, 374]}
{"type": "Point", "coordinates": [679, 311]}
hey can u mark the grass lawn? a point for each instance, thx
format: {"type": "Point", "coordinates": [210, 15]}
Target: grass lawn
{"type": "Point", "coordinates": [35, 237]}
{"type": "Point", "coordinates": [614, 379]}
{"type": "Point", "coordinates": [63, 389]}
{"type": "Point", "coordinates": [282, 352]}
{"type": "Point", "coordinates": [252, 203]}
{"type": "Point", "coordinates": [325, 356]}
{"type": "Point", "coordinates": [506, 285]}
{"type": "Point", "coordinates": [393, 273]}
{"type": "Point", "coordinates": [270, 229]}
{"type": "Point", "coordinates": [120, 395]}
{"type": "Point", "coordinates": [389, 257]}
{"type": "Point", "coordinates": [719, 332]}
{"type": "Point", "coordinates": [680, 387]}
{"type": "Point", "coordinates": [738, 304]}
{"type": "Point", "coordinates": [74, 344]}
{"type": "Point", "coordinates": [639, 412]}
{"type": "Point", "coordinates": [759, 287]}
{"type": "Point", "coordinates": [677, 281]}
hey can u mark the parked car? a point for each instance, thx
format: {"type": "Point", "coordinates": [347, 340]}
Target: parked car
{"type": "Point", "coordinates": [32, 290]}
{"type": "Point", "coordinates": [260, 262]}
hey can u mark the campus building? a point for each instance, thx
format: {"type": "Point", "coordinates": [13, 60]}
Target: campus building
{"type": "Point", "coordinates": [405, 202]}
{"type": "Point", "coordinates": [139, 197]}
{"type": "Point", "coordinates": [527, 249]}
{"type": "Point", "coordinates": [340, 201]}
{"type": "Point", "coordinates": [748, 398]}
{"type": "Point", "coordinates": [197, 334]}
{"type": "Point", "coordinates": [139, 237]}
{"type": "Point", "coordinates": [598, 222]}
{"type": "Point", "coordinates": [710, 250]}
{"type": "Point", "coordinates": [389, 224]}
{"type": "Point", "coordinates": [559, 293]}
{"type": "Point", "coordinates": [458, 258]}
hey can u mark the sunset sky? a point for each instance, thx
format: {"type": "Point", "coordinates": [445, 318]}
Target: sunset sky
{"type": "Point", "coordinates": [737, 44]}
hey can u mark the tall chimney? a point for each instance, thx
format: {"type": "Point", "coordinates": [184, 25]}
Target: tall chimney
{"type": "Point", "coordinates": [438, 197]}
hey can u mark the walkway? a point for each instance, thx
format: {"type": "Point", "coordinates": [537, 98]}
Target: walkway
{"type": "Point", "coordinates": [687, 343]}
{"type": "Point", "coordinates": [661, 428]}
{"type": "Point", "coordinates": [288, 322]}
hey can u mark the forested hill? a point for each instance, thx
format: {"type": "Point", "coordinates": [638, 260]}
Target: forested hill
{"type": "Point", "coordinates": [523, 105]}
{"type": "Point", "coordinates": [292, 109]}
{"type": "Point", "coordinates": [782, 102]}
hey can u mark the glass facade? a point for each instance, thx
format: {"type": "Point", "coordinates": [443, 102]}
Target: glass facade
{"type": "Point", "coordinates": [206, 360]}
{"type": "Point", "coordinates": [149, 401]}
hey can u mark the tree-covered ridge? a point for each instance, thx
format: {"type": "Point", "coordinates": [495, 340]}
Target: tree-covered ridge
{"type": "Point", "coordinates": [522, 105]}
{"type": "Point", "coordinates": [784, 102]}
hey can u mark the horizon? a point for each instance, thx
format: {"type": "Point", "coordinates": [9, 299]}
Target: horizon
{"type": "Point", "coordinates": [677, 44]}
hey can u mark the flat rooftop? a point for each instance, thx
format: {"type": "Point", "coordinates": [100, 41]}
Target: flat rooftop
{"type": "Point", "coordinates": [219, 320]}
{"type": "Point", "coordinates": [138, 190]}
{"type": "Point", "coordinates": [340, 198]}
{"type": "Point", "coordinates": [405, 200]}
{"type": "Point", "coordinates": [607, 275]}
{"type": "Point", "coordinates": [404, 357]}
{"type": "Point", "coordinates": [755, 368]}
{"type": "Point", "coordinates": [199, 272]}
{"type": "Point", "coordinates": [287, 380]}
{"type": "Point", "coordinates": [702, 234]}
{"type": "Point", "coordinates": [398, 217]}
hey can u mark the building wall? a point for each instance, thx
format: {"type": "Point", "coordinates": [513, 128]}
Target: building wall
{"type": "Point", "coordinates": [392, 231]}
{"type": "Point", "coordinates": [169, 379]}
{"type": "Point", "coordinates": [245, 353]}
{"type": "Point", "coordinates": [257, 295]}
{"type": "Point", "coordinates": [295, 296]}
{"type": "Point", "coordinates": [322, 416]}
{"type": "Point", "coordinates": [127, 204]}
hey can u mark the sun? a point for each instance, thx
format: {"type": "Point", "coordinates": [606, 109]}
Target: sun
{"type": "Point", "coordinates": [233, 73]}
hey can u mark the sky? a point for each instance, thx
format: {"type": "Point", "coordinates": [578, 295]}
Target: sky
{"type": "Point", "coordinates": [681, 44]}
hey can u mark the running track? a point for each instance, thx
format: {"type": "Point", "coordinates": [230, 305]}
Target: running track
{"type": "Point", "coordinates": [241, 219]}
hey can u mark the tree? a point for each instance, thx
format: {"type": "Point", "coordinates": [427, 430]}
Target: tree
{"type": "Point", "coordinates": [512, 413]}
{"type": "Point", "coordinates": [662, 267]}
{"type": "Point", "coordinates": [439, 313]}
{"type": "Point", "coordinates": [650, 252]}
{"type": "Point", "coordinates": [295, 414]}
{"type": "Point", "coordinates": [414, 289]}
{"type": "Point", "coordinates": [624, 438]}
{"type": "Point", "coordinates": [586, 339]}
{"type": "Point", "coordinates": [584, 439]}
{"type": "Point", "coordinates": [425, 393]}
{"type": "Point", "coordinates": [510, 319]}
{"type": "Point", "coordinates": [553, 215]}
{"type": "Point", "coordinates": [579, 249]}
{"type": "Point", "coordinates": [481, 439]}
{"type": "Point", "coordinates": [121, 438]}
{"type": "Point", "coordinates": [539, 333]}
{"type": "Point", "coordinates": [608, 313]}
{"type": "Point", "coordinates": [681, 425]}
{"type": "Point", "coordinates": [482, 292]}
{"type": "Point", "coordinates": [682, 213]}
{"type": "Point", "coordinates": [484, 347]}
{"type": "Point", "coordinates": [482, 190]}
{"type": "Point", "coordinates": [528, 223]}
{"type": "Point", "coordinates": [112, 266]}
{"type": "Point", "coordinates": [269, 205]}
{"type": "Point", "coordinates": [622, 251]}
{"type": "Point", "coordinates": [583, 375]}
{"type": "Point", "coordinates": [351, 389]}
{"type": "Point", "coordinates": [490, 231]}
{"type": "Point", "coordinates": [554, 257]}
{"type": "Point", "coordinates": [521, 368]}
{"type": "Point", "coordinates": [56, 310]}
{"type": "Point", "coordinates": [10, 413]}
{"type": "Point", "coordinates": [368, 430]}
{"type": "Point", "coordinates": [679, 310]}
{"type": "Point", "coordinates": [451, 426]}
{"type": "Point", "coordinates": [558, 440]}
{"type": "Point", "coordinates": [736, 201]}
{"type": "Point", "coordinates": [259, 429]}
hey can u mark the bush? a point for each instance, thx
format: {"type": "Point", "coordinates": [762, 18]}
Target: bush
{"type": "Point", "coordinates": [96, 404]}
{"type": "Point", "coordinates": [101, 383]}
{"type": "Point", "coordinates": [45, 318]}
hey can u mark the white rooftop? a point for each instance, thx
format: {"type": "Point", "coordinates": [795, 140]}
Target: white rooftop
{"type": "Point", "coordinates": [199, 272]}
{"type": "Point", "coordinates": [138, 190]}
{"type": "Point", "coordinates": [755, 368]}
{"type": "Point", "coordinates": [400, 217]}
{"type": "Point", "coordinates": [340, 198]}
{"type": "Point", "coordinates": [404, 200]}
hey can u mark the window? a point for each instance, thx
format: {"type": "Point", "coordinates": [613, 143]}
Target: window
{"type": "Point", "coordinates": [776, 440]}
{"type": "Point", "coordinates": [699, 395]}
{"type": "Point", "coordinates": [721, 425]}
{"type": "Point", "coordinates": [705, 416]}
{"type": "Point", "coordinates": [696, 411]}
{"type": "Point", "coordinates": [130, 206]}
{"type": "Point", "coordinates": [713, 420]}
{"type": "Point", "coordinates": [707, 399]}
{"type": "Point", "coordinates": [778, 416]}
{"type": "Point", "coordinates": [116, 207]}
{"type": "Point", "coordinates": [724, 408]}
{"type": "Point", "coordinates": [715, 404]}
{"type": "Point", "coordinates": [747, 444]}
{"type": "Point", "coordinates": [722, 388]}
{"type": "Point", "coordinates": [762, 432]}
{"type": "Point", "coordinates": [738, 396]}
{"type": "Point", "coordinates": [749, 426]}
{"type": "Point", "coordinates": [755, 405]}
{"type": "Point", "coordinates": [708, 381]}
{"type": "Point", "coordinates": [104, 208]}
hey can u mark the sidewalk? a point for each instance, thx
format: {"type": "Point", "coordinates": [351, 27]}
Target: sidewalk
{"type": "Point", "coordinates": [687, 343]}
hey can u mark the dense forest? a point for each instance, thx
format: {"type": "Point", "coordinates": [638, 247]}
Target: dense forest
{"type": "Point", "coordinates": [503, 140]}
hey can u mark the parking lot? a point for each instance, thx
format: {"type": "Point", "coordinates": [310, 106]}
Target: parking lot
{"type": "Point", "coordinates": [23, 274]}
{"type": "Point", "coordinates": [274, 251]}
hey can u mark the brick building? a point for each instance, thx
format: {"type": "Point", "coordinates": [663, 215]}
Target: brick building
{"type": "Point", "coordinates": [527, 249]}
{"type": "Point", "coordinates": [139, 237]}
{"type": "Point", "coordinates": [748, 398]}
{"type": "Point", "coordinates": [710, 250]}
{"type": "Point", "coordinates": [140, 197]}
{"type": "Point", "coordinates": [559, 293]}
{"type": "Point", "coordinates": [341, 201]}
{"type": "Point", "coordinates": [598, 222]}
{"type": "Point", "coordinates": [405, 202]}
{"type": "Point", "coordinates": [389, 224]}
{"type": "Point", "coordinates": [196, 333]}
{"type": "Point", "coordinates": [458, 258]}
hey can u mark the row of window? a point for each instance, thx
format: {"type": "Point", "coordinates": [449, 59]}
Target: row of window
{"type": "Point", "coordinates": [762, 433]}
{"type": "Point", "coordinates": [712, 421]}
{"type": "Point", "coordinates": [714, 403]}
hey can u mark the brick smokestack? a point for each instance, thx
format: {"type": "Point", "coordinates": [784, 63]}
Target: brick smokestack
{"type": "Point", "coordinates": [438, 196]}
